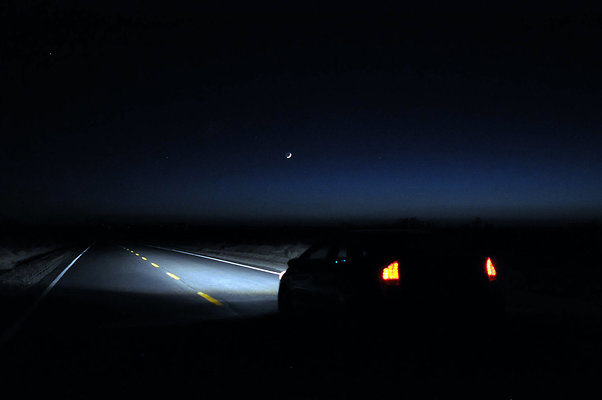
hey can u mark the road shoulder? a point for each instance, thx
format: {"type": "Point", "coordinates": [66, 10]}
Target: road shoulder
{"type": "Point", "coordinates": [21, 287]}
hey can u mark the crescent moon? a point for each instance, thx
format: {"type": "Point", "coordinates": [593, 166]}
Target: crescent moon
{"type": "Point", "coordinates": [289, 155]}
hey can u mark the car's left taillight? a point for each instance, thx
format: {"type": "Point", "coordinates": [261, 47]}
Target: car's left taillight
{"type": "Point", "coordinates": [390, 274]}
{"type": "Point", "coordinates": [490, 270]}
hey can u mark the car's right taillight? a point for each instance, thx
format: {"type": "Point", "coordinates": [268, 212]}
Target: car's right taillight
{"type": "Point", "coordinates": [490, 270]}
{"type": "Point", "coordinates": [390, 274]}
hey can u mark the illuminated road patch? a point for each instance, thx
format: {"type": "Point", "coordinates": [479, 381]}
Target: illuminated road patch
{"type": "Point", "coordinates": [229, 285]}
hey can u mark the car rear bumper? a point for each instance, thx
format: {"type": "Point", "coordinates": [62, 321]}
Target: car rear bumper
{"type": "Point", "coordinates": [476, 299]}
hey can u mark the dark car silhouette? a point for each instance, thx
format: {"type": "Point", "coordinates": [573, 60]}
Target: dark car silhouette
{"type": "Point", "coordinates": [390, 271]}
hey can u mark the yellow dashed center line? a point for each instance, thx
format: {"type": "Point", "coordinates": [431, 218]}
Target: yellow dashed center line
{"type": "Point", "coordinates": [209, 298]}
{"type": "Point", "coordinates": [176, 277]}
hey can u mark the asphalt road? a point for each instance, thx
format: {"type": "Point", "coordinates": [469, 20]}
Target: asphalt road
{"type": "Point", "coordinates": [128, 319]}
{"type": "Point", "coordinates": [135, 303]}
{"type": "Point", "coordinates": [136, 285]}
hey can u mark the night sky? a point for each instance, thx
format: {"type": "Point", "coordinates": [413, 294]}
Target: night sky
{"type": "Point", "coordinates": [129, 109]}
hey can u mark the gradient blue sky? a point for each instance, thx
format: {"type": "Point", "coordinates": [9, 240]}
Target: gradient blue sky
{"type": "Point", "coordinates": [388, 113]}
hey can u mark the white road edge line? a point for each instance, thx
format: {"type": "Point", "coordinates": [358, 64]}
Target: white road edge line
{"type": "Point", "coordinates": [55, 281]}
{"type": "Point", "coordinates": [13, 330]}
{"type": "Point", "coordinates": [267, 271]}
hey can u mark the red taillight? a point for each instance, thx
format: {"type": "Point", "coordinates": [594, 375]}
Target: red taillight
{"type": "Point", "coordinates": [390, 274]}
{"type": "Point", "coordinates": [490, 269]}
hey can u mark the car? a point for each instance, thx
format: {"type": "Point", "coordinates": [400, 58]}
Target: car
{"type": "Point", "coordinates": [384, 271]}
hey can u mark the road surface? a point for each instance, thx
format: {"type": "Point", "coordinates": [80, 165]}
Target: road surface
{"type": "Point", "coordinates": [130, 285]}
{"type": "Point", "coordinates": [137, 321]}
{"type": "Point", "coordinates": [119, 306]}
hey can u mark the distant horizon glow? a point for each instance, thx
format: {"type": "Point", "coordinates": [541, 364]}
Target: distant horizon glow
{"type": "Point", "coordinates": [433, 116]}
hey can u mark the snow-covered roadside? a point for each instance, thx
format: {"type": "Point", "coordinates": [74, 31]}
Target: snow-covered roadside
{"type": "Point", "coordinates": [27, 257]}
{"type": "Point", "coordinates": [274, 256]}
{"type": "Point", "coordinates": [11, 256]}
{"type": "Point", "coordinates": [31, 272]}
